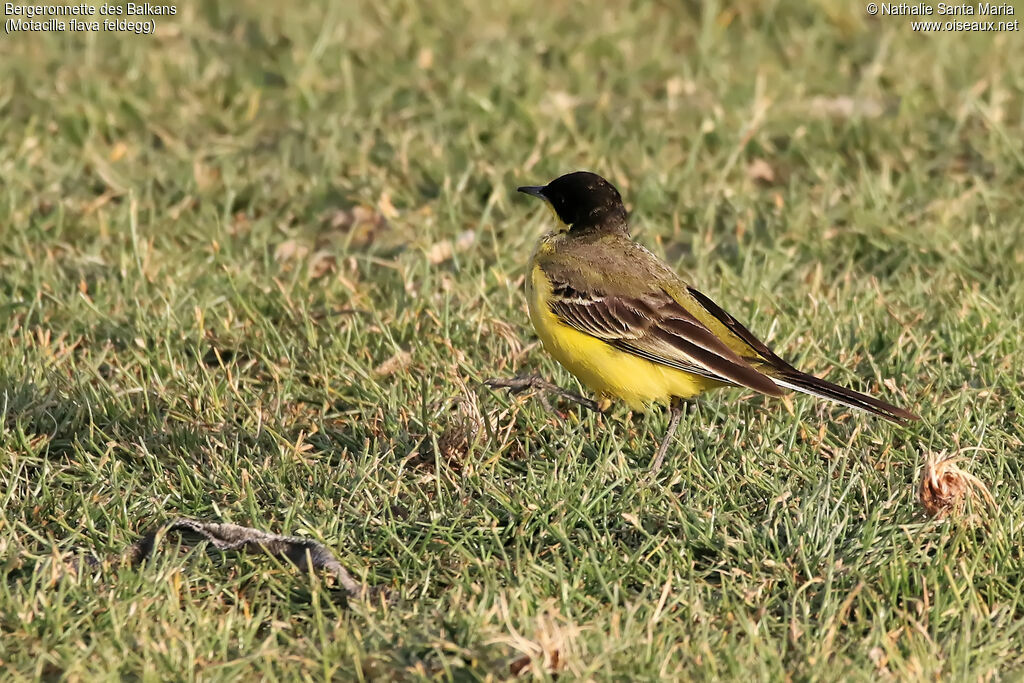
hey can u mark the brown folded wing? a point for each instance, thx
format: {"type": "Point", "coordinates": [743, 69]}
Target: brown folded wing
{"type": "Point", "coordinates": [654, 326]}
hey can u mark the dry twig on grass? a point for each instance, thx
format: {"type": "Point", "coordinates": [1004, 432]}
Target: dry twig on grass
{"type": "Point", "coordinates": [302, 552]}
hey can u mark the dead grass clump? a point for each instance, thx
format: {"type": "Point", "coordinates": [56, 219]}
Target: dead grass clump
{"type": "Point", "coordinates": [945, 488]}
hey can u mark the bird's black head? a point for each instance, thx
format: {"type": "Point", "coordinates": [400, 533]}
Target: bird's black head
{"type": "Point", "coordinates": [582, 201]}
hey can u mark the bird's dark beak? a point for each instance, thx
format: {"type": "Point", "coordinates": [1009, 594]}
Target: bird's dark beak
{"type": "Point", "coordinates": [534, 190]}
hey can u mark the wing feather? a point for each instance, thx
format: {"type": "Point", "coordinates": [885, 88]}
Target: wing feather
{"type": "Point", "coordinates": [658, 328]}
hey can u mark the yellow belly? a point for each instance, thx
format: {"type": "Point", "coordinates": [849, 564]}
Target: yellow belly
{"type": "Point", "coordinates": [602, 367]}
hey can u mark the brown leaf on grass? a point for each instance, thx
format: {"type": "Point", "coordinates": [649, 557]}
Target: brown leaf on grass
{"type": "Point", "coordinates": [560, 105]}
{"type": "Point", "coordinates": [397, 362]}
{"type": "Point", "coordinates": [206, 177]}
{"type": "Point", "coordinates": [440, 252]}
{"type": "Point", "coordinates": [295, 252]}
{"type": "Point", "coordinates": [945, 488]}
{"type": "Point", "coordinates": [239, 224]}
{"type": "Point", "coordinates": [465, 240]}
{"type": "Point", "coordinates": [118, 151]}
{"type": "Point", "coordinates": [364, 223]}
{"type": "Point", "coordinates": [290, 250]}
{"type": "Point", "coordinates": [385, 206]}
{"type": "Point", "coordinates": [321, 263]}
{"type": "Point", "coordinates": [676, 86]}
{"type": "Point", "coordinates": [343, 219]}
{"type": "Point", "coordinates": [761, 172]}
{"type": "Point", "coordinates": [879, 658]}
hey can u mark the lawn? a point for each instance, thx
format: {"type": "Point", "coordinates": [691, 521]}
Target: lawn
{"type": "Point", "coordinates": [255, 267]}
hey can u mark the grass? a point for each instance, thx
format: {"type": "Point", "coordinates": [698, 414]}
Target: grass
{"type": "Point", "coordinates": [255, 266]}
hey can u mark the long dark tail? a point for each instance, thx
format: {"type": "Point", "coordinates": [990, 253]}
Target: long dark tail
{"type": "Point", "coordinates": [791, 378]}
{"type": "Point", "coordinates": [785, 375]}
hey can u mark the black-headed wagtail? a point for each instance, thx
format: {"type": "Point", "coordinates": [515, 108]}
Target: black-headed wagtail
{"type": "Point", "coordinates": [629, 328]}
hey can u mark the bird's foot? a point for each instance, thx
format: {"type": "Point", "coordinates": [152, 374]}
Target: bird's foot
{"type": "Point", "coordinates": [517, 385]}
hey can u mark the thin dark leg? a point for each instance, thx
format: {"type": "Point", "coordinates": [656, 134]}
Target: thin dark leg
{"type": "Point", "coordinates": [516, 385]}
{"type": "Point", "coordinates": [678, 407]}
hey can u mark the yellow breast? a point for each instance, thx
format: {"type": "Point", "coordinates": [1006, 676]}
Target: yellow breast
{"type": "Point", "coordinates": [600, 366]}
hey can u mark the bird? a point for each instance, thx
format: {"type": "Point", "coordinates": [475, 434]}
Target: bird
{"type": "Point", "coordinates": [630, 328]}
